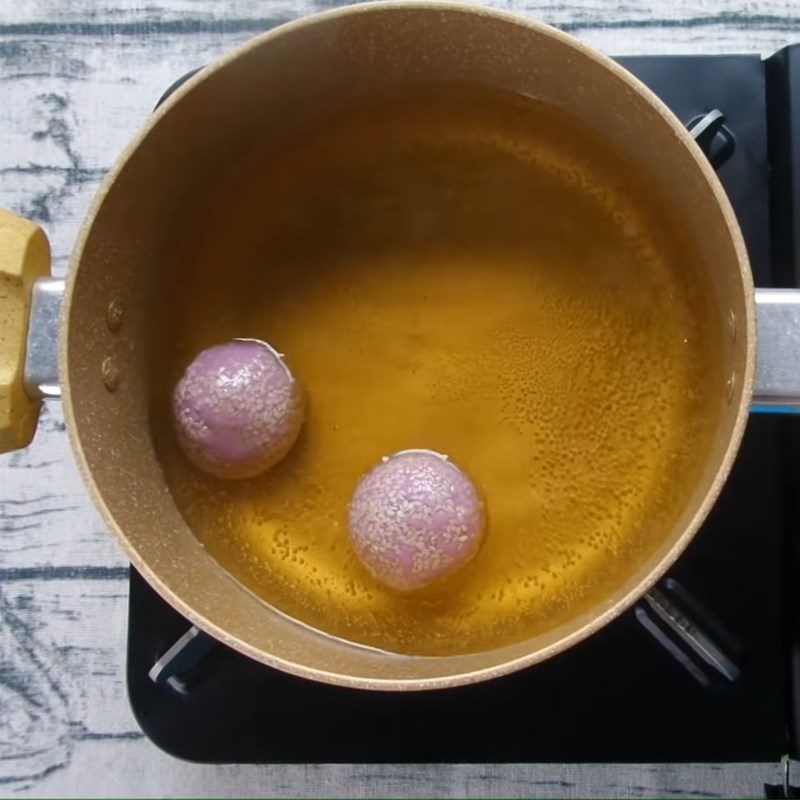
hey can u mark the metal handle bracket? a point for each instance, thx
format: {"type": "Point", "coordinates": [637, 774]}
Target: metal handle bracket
{"type": "Point", "coordinates": [41, 349]}
{"type": "Point", "coordinates": [777, 382]}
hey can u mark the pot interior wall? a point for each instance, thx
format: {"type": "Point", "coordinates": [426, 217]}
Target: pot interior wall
{"type": "Point", "coordinates": [277, 83]}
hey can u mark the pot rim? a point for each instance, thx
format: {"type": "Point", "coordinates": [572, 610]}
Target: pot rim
{"type": "Point", "coordinates": [596, 622]}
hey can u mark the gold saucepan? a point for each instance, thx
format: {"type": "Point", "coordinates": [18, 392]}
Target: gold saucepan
{"type": "Point", "coordinates": [262, 90]}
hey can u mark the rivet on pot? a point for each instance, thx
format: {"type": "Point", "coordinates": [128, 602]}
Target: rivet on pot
{"type": "Point", "coordinates": [110, 374]}
{"type": "Point", "coordinates": [732, 325]}
{"type": "Point", "coordinates": [730, 385]}
{"type": "Point", "coordinates": [114, 315]}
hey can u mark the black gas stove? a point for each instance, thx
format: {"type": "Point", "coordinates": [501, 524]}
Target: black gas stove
{"type": "Point", "coordinates": [705, 668]}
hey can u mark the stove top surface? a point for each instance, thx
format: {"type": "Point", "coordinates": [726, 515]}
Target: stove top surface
{"type": "Point", "coordinates": [635, 691]}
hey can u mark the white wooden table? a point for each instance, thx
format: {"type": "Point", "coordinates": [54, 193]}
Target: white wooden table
{"type": "Point", "coordinates": [77, 78]}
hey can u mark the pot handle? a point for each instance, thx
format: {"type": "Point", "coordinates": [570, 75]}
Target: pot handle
{"type": "Point", "coordinates": [777, 382]}
{"type": "Point", "coordinates": [24, 260]}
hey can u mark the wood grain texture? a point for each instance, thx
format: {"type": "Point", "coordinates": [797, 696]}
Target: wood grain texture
{"type": "Point", "coordinates": [76, 80]}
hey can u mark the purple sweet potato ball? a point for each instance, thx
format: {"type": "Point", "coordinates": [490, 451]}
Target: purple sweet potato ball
{"type": "Point", "coordinates": [414, 519]}
{"type": "Point", "coordinates": [237, 409]}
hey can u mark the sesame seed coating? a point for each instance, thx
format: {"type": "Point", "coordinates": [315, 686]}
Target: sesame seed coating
{"type": "Point", "coordinates": [415, 518]}
{"type": "Point", "coordinates": [237, 410]}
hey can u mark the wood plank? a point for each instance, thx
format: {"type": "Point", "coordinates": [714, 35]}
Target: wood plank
{"type": "Point", "coordinates": [192, 16]}
{"type": "Point", "coordinates": [47, 523]}
{"type": "Point", "coordinates": [714, 23]}
{"type": "Point", "coordinates": [60, 666]}
{"type": "Point", "coordinates": [119, 767]}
